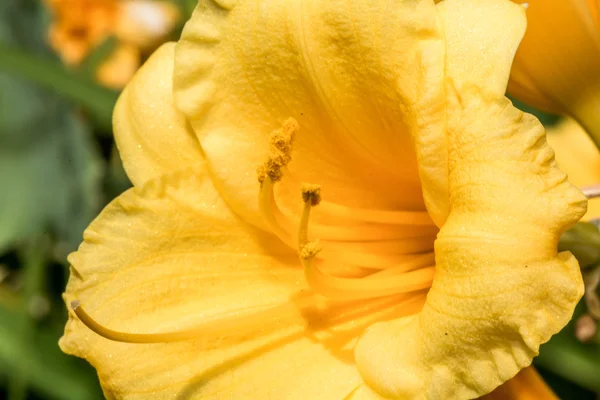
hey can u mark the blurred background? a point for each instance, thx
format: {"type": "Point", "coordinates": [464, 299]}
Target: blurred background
{"type": "Point", "coordinates": [62, 65]}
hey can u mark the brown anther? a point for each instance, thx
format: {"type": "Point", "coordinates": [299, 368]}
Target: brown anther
{"type": "Point", "coordinates": [311, 192]}
{"type": "Point", "coordinates": [261, 173]}
{"type": "Point", "coordinates": [280, 152]}
{"type": "Point", "coordinates": [310, 250]}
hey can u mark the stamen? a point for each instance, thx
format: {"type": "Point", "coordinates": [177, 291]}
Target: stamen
{"type": "Point", "coordinates": [274, 218]}
{"type": "Point", "coordinates": [280, 153]}
{"type": "Point", "coordinates": [377, 216]}
{"type": "Point", "coordinates": [399, 234]}
{"type": "Point", "coordinates": [373, 232]}
{"type": "Point", "coordinates": [591, 192]}
{"type": "Point", "coordinates": [229, 324]}
{"type": "Point", "coordinates": [379, 284]}
{"type": "Point", "coordinates": [311, 194]}
{"type": "Point", "coordinates": [397, 247]}
{"type": "Point", "coordinates": [376, 260]}
{"type": "Point", "coordinates": [280, 224]}
{"type": "Point", "coordinates": [368, 287]}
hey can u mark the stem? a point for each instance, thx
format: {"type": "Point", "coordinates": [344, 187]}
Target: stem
{"type": "Point", "coordinates": [52, 75]}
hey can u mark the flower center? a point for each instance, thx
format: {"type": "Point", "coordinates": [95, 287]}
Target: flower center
{"type": "Point", "coordinates": [371, 253]}
{"type": "Point", "coordinates": [369, 258]}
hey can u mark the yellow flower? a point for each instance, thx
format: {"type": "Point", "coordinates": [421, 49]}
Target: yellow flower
{"type": "Point", "coordinates": [557, 66]}
{"type": "Point", "coordinates": [79, 26]}
{"type": "Point", "coordinates": [577, 157]}
{"type": "Point", "coordinates": [392, 112]}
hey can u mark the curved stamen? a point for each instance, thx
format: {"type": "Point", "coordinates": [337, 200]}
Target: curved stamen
{"type": "Point", "coordinates": [384, 283]}
{"type": "Point", "coordinates": [281, 225]}
{"type": "Point", "coordinates": [407, 247]}
{"type": "Point", "coordinates": [377, 216]}
{"type": "Point", "coordinates": [368, 287]}
{"type": "Point", "coordinates": [376, 260]}
{"type": "Point", "coordinates": [412, 232]}
{"type": "Point", "coordinates": [232, 323]}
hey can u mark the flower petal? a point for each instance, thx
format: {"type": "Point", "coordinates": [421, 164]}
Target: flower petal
{"type": "Point", "coordinates": [556, 67]}
{"type": "Point", "coordinates": [170, 256]}
{"type": "Point", "coordinates": [526, 385]}
{"type": "Point", "coordinates": [577, 155]}
{"type": "Point", "coordinates": [500, 289]}
{"type": "Point", "coordinates": [152, 135]}
{"type": "Point", "coordinates": [360, 77]}
{"type": "Point", "coordinates": [482, 39]}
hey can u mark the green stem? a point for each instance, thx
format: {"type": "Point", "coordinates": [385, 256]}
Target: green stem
{"type": "Point", "coordinates": [577, 362]}
{"type": "Point", "coordinates": [52, 75]}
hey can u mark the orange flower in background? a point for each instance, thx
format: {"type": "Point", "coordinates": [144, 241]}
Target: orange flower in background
{"type": "Point", "coordinates": [79, 26]}
{"type": "Point", "coordinates": [557, 65]}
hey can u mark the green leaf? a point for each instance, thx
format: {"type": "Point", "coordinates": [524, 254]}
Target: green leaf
{"type": "Point", "coordinates": [545, 118]}
{"type": "Point", "coordinates": [50, 169]}
{"type": "Point", "coordinates": [564, 355]}
{"type": "Point", "coordinates": [564, 389]}
{"type": "Point", "coordinates": [47, 73]}
{"type": "Point", "coordinates": [90, 65]}
{"type": "Point", "coordinates": [51, 183]}
{"type": "Point", "coordinates": [22, 27]}
{"type": "Point", "coordinates": [583, 240]}
{"type": "Point", "coordinates": [40, 362]}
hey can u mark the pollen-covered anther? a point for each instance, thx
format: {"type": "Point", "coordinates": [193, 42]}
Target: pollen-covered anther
{"type": "Point", "coordinates": [280, 151]}
{"type": "Point", "coordinates": [310, 250]}
{"type": "Point", "coordinates": [311, 192]}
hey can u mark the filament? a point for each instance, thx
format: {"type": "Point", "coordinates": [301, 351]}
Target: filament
{"type": "Point", "coordinates": [274, 218]}
{"type": "Point", "coordinates": [420, 218]}
{"type": "Point", "coordinates": [368, 287]}
{"type": "Point", "coordinates": [384, 283]}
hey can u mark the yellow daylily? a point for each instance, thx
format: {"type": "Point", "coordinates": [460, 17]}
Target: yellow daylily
{"type": "Point", "coordinates": [437, 275]}
{"type": "Point", "coordinates": [79, 26]}
{"type": "Point", "coordinates": [577, 157]}
{"type": "Point", "coordinates": [557, 66]}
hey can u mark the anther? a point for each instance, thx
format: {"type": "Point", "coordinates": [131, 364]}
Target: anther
{"type": "Point", "coordinates": [280, 152]}
{"type": "Point", "coordinates": [312, 193]}
{"type": "Point", "coordinates": [310, 249]}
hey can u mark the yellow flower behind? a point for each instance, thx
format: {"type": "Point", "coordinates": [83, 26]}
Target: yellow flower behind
{"type": "Point", "coordinates": [79, 26]}
{"type": "Point", "coordinates": [577, 157]}
{"type": "Point", "coordinates": [442, 205]}
{"type": "Point", "coordinates": [557, 66]}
